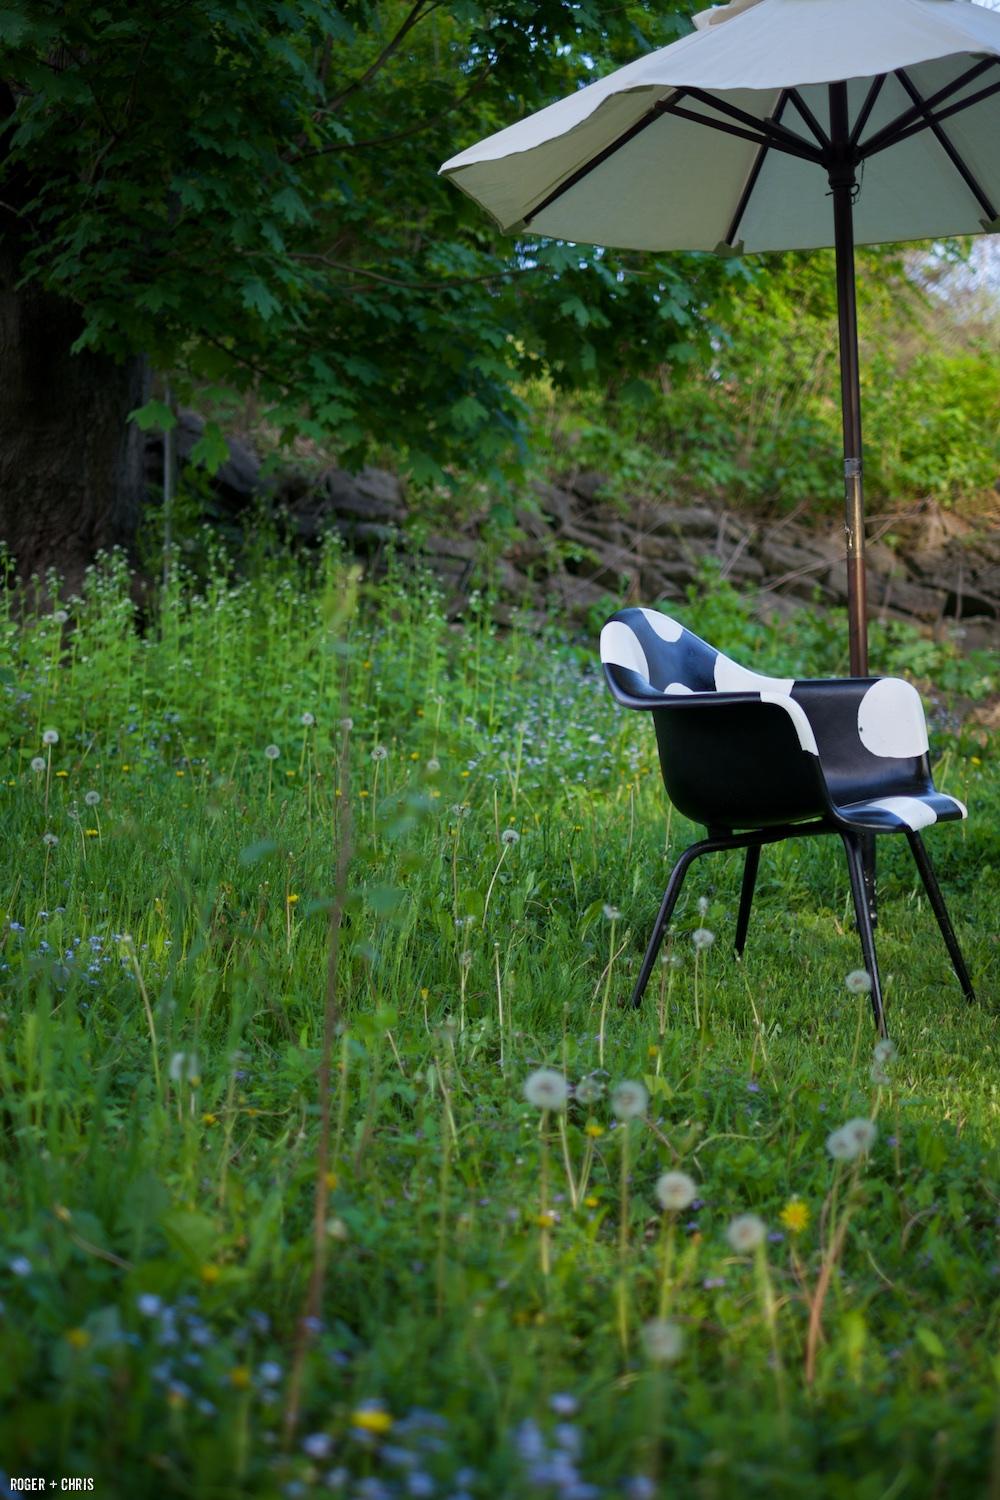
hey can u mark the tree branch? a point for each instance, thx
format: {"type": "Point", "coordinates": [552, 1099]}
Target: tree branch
{"type": "Point", "coordinates": [420, 9]}
{"type": "Point", "coordinates": [412, 286]}
{"type": "Point", "coordinates": [395, 135]}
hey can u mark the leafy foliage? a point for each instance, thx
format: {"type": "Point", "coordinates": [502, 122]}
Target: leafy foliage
{"type": "Point", "coordinates": [760, 420]}
{"type": "Point", "coordinates": [248, 193]}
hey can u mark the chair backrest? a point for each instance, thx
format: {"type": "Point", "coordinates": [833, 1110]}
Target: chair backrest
{"type": "Point", "coordinates": [643, 649]}
{"type": "Point", "coordinates": [735, 763]}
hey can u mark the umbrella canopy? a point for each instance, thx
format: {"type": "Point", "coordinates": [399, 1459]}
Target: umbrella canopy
{"type": "Point", "coordinates": [776, 125]}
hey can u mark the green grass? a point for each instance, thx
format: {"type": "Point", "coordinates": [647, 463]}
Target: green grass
{"type": "Point", "coordinates": [168, 1122]}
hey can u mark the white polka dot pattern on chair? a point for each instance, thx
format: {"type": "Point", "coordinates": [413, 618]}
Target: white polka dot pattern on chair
{"type": "Point", "coordinates": [891, 720]}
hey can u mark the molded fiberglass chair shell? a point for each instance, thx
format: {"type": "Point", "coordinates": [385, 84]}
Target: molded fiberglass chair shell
{"type": "Point", "coordinates": [761, 759]}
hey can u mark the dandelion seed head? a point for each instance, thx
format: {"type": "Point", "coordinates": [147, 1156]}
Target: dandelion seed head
{"type": "Point", "coordinates": [858, 982]}
{"type": "Point", "coordinates": [60, 617]}
{"type": "Point", "coordinates": [702, 938]}
{"type": "Point", "coordinates": [308, 720]}
{"type": "Point", "coordinates": [676, 1190]}
{"type": "Point", "coordinates": [855, 1138]}
{"type": "Point", "coordinates": [703, 906]}
{"type": "Point", "coordinates": [379, 752]}
{"type": "Point", "coordinates": [50, 737]}
{"type": "Point", "coordinates": [433, 765]}
{"type": "Point", "coordinates": [510, 837]}
{"type": "Point", "coordinates": [879, 1076]}
{"type": "Point", "coordinates": [38, 763]}
{"type": "Point", "coordinates": [629, 1100]}
{"type": "Point", "coordinates": [885, 1052]}
{"type": "Point", "coordinates": [589, 1090]}
{"type": "Point", "coordinates": [746, 1232]}
{"type": "Point", "coordinates": [271, 752]}
{"type": "Point", "coordinates": [546, 1089]}
{"type": "Point", "coordinates": [50, 840]}
{"type": "Point", "coordinates": [184, 1067]}
{"type": "Point", "coordinates": [662, 1340]}
{"type": "Point", "coordinates": [465, 961]}
{"type": "Point", "coordinates": [611, 913]}
{"type": "Point", "coordinates": [347, 725]}
{"type": "Point", "coordinates": [92, 798]}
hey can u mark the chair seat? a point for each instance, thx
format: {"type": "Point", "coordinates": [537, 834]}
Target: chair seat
{"type": "Point", "coordinates": [899, 814]}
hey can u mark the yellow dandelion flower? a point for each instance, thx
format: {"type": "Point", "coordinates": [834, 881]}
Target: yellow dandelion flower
{"type": "Point", "coordinates": [591, 1201]}
{"type": "Point", "coordinates": [292, 899]}
{"type": "Point", "coordinates": [240, 1377]}
{"type": "Point", "coordinates": [209, 1274]}
{"type": "Point", "coordinates": [795, 1216]}
{"type": "Point", "coordinates": [593, 1129]}
{"type": "Point", "coordinates": [332, 1180]}
{"type": "Point", "coordinates": [545, 1220]}
{"type": "Point", "coordinates": [77, 1338]}
{"type": "Point", "coordinates": [209, 1120]}
{"type": "Point", "coordinates": [372, 1419]}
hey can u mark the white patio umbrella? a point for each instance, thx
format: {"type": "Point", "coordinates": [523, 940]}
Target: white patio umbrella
{"type": "Point", "coordinates": [776, 125]}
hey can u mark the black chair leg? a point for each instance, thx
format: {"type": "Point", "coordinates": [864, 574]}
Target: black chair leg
{"type": "Point", "coordinates": [933, 890]}
{"type": "Point", "coordinates": [863, 916]}
{"type": "Point", "coordinates": [667, 905]}
{"type": "Point", "coordinates": [746, 896]}
{"type": "Point", "coordinates": [869, 860]}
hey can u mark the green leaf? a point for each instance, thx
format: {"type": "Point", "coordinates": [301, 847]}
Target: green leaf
{"type": "Point", "coordinates": [254, 852]}
{"type": "Point", "coordinates": [153, 414]}
{"type": "Point", "coordinates": [930, 1341]}
{"type": "Point", "coordinates": [211, 450]}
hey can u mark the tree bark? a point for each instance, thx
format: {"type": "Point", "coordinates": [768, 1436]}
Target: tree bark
{"type": "Point", "coordinates": [71, 464]}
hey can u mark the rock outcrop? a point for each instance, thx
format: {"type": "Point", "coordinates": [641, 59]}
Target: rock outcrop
{"type": "Point", "coordinates": [574, 549]}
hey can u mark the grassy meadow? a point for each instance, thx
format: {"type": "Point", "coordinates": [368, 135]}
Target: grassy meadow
{"type": "Point", "coordinates": [332, 1158]}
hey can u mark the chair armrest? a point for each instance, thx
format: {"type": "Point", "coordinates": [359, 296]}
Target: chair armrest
{"type": "Point", "coordinates": [871, 735]}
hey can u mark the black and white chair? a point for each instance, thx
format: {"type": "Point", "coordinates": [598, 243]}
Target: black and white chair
{"type": "Point", "coordinates": [761, 759]}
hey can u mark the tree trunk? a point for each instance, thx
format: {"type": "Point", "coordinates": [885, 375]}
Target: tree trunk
{"type": "Point", "coordinates": [71, 464]}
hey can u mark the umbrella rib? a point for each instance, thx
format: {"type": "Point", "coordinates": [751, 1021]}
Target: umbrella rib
{"type": "Point", "coordinates": [942, 114]}
{"type": "Point", "coordinates": [809, 117]}
{"type": "Point", "coordinates": [751, 181]}
{"type": "Point", "coordinates": [760, 137]}
{"type": "Point", "coordinates": [948, 147]}
{"type": "Point", "coordinates": [774, 133]}
{"type": "Point", "coordinates": [649, 118]}
{"type": "Point", "coordinates": [866, 109]}
{"type": "Point", "coordinates": [764, 133]}
{"type": "Point", "coordinates": [890, 134]}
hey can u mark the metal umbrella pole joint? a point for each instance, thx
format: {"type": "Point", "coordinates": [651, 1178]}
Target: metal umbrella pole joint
{"type": "Point", "coordinates": [841, 168]}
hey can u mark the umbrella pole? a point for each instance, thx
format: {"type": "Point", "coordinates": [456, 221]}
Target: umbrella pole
{"type": "Point", "coordinates": [843, 186]}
